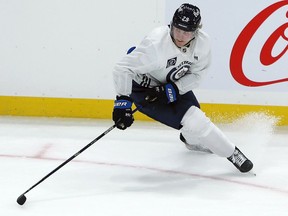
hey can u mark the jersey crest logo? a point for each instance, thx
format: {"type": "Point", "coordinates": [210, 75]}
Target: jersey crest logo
{"type": "Point", "coordinates": [171, 62]}
{"type": "Point", "coordinates": [179, 71]}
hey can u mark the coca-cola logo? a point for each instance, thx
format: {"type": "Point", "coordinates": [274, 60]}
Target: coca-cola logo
{"type": "Point", "coordinates": [266, 57]}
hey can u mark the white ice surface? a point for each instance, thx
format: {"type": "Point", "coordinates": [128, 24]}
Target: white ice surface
{"type": "Point", "coordinates": [144, 170]}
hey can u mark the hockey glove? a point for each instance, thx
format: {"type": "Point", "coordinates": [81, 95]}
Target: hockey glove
{"type": "Point", "coordinates": [122, 113]}
{"type": "Point", "coordinates": [168, 93]}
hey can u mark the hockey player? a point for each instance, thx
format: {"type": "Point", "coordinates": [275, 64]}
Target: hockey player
{"type": "Point", "coordinates": [159, 76]}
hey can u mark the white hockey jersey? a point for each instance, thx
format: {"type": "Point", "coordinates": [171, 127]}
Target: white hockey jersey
{"type": "Point", "coordinates": [157, 60]}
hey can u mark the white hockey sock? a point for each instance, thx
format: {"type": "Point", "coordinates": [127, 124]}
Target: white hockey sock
{"type": "Point", "coordinates": [198, 129]}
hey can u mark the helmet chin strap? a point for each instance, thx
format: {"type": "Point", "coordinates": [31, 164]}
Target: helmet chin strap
{"type": "Point", "coordinates": [189, 42]}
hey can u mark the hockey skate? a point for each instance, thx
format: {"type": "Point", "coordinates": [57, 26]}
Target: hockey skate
{"type": "Point", "coordinates": [195, 147]}
{"type": "Point", "coordinates": [240, 161]}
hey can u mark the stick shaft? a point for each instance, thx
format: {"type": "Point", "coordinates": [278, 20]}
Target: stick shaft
{"type": "Point", "coordinates": [74, 156]}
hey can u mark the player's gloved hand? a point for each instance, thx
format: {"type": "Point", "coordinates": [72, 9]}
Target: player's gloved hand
{"type": "Point", "coordinates": [122, 113]}
{"type": "Point", "coordinates": [168, 93]}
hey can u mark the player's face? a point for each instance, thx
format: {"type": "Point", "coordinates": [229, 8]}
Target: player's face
{"type": "Point", "coordinates": [181, 37]}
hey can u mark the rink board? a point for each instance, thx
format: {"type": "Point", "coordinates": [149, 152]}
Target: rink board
{"type": "Point", "coordinates": [99, 108]}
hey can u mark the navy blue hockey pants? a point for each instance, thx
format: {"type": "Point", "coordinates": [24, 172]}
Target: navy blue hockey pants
{"type": "Point", "coordinates": [168, 114]}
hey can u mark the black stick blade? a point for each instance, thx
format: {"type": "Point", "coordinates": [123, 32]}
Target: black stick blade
{"type": "Point", "coordinates": [21, 199]}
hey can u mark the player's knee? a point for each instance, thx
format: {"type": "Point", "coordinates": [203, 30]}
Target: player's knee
{"type": "Point", "coordinates": [196, 123]}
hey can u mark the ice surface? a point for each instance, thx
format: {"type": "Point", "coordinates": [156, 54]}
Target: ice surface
{"type": "Point", "coordinates": [144, 170]}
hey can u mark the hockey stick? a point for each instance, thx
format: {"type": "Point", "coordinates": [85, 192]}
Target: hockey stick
{"type": "Point", "coordinates": [22, 198]}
